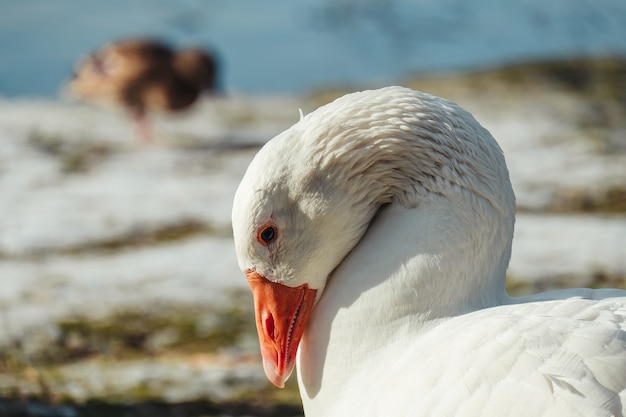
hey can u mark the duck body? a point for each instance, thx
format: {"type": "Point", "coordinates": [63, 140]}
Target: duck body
{"type": "Point", "coordinates": [143, 76]}
{"type": "Point", "coordinates": [393, 210]}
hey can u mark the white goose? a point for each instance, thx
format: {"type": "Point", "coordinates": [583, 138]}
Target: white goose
{"type": "Point", "coordinates": [375, 234]}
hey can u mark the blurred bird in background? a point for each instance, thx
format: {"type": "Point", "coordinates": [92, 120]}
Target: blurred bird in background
{"type": "Point", "coordinates": [144, 76]}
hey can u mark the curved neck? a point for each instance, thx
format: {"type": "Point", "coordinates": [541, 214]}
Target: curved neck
{"type": "Point", "coordinates": [439, 247]}
{"type": "Point", "coordinates": [413, 268]}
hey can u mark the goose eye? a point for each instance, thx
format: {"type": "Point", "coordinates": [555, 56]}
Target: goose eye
{"type": "Point", "coordinates": [267, 234]}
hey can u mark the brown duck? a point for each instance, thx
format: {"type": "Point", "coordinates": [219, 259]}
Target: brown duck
{"type": "Point", "coordinates": [144, 76]}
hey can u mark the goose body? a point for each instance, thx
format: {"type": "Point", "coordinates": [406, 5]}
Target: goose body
{"type": "Point", "coordinates": [144, 76]}
{"type": "Point", "coordinates": [375, 234]}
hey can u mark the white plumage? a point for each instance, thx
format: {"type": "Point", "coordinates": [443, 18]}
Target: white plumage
{"type": "Point", "coordinates": [391, 216]}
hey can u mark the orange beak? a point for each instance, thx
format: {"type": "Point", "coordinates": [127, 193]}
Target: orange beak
{"type": "Point", "coordinates": [281, 315]}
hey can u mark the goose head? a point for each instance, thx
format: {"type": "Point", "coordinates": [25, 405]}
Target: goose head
{"type": "Point", "coordinates": [291, 229]}
{"type": "Point", "coordinates": [311, 192]}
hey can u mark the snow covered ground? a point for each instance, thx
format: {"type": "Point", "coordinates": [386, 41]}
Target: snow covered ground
{"type": "Point", "coordinates": [92, 221]}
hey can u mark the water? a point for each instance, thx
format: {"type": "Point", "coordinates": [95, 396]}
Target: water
{"type": "Point", "coordinates": [293, 46]}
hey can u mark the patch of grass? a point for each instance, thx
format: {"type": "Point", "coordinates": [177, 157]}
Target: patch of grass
{"type": "Point", "coordinates": [104, 408]}
{"type": "Point", "coordinates": [47, 380]}
{"type": "Point", "coordinates": [602, 279]}
{"type": "Point", "coordinates": [610, 201]}
{"type": "Point", "coordinates": [603, 78]}
{"type": "Point", "coordinates": [139, 332]}
{"type": "Point", "coordinates": [180, 230]}
{"type": "Point", "coordinates": [598, 279]}
{"type": "Point", "coordinates": [140, 237]}
{"type": "Point", "coordinates": [75, 156]}
{"type": "Point", "coordinates": [269, 394]}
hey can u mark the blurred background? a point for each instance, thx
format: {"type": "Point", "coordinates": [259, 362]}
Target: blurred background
{"type": "Point", "coordinates": [287, 47]}
{"type": "Point", "coordinates": [119, 288]}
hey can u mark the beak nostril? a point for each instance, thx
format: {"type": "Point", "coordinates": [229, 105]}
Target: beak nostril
{"type": "Point", "coordinates": [268, 325]}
